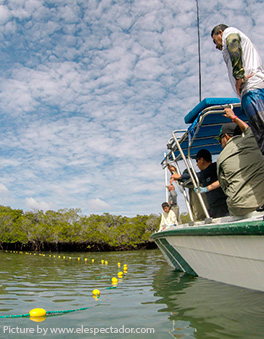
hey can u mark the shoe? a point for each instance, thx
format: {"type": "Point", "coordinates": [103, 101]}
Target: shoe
{"type": "Point", "coordinates": [260, 208]}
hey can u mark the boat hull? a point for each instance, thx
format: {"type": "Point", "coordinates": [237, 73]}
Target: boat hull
{"type": "Point", "coordinates": [230, 253]}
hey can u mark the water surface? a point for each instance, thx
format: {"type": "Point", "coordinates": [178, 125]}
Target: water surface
{"type": "Point", "coordinates": [150, 297]}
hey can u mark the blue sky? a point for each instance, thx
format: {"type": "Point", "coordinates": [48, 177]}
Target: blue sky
{"type": "Point", "coordinates": [90, 92]}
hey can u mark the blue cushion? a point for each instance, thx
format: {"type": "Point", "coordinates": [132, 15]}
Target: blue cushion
{"type": "Point", "coordinates": [207, 102]}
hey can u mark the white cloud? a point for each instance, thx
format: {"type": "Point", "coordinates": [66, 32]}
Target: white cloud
{"type": "Point", "coordinates": [97, 205]}
{"type": "Point", "coordinates": [3, 189]}
{"type": "Point", "coordinates": [90, 92]}
{"type": "Point", "coordinates": [38, 205]}
{"type": "Point", "coordinates": [4, 14]}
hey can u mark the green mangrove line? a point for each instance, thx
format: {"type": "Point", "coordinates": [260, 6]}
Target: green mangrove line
{"type": "Point", "coordinates": [67, 229]}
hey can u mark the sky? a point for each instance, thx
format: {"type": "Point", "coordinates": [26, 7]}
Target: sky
{"type": "Point", "coordinates": [90, 92]}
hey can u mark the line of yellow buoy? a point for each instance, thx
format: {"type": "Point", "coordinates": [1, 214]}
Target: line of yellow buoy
{"type": "Point", "coordinates": [105, 262]}
{"type": "Point", "coordinates": [39, 312]}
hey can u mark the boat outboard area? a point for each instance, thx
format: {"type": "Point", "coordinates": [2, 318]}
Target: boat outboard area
{"type": "Point", "coordinates": [204, 124]}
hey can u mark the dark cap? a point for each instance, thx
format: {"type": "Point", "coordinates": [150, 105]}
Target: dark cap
{"type": "Point", "coordinates": [230, 129]}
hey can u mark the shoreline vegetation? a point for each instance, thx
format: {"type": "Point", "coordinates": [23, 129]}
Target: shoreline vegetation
{"type": "Point", "coordinates": [67, 230]}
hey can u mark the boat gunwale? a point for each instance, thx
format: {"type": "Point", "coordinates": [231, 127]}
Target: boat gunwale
{"type": "Point", "coordinates": [244, 228]}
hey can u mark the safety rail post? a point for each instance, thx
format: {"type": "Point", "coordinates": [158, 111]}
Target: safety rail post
{"type": "Point", "coordinates": [166, 182]}
{"type": "Point", "coordinates": [182, 189]}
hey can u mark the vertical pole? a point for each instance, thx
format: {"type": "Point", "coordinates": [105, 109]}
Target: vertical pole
{"type": "Point", "coordinates": [199, 50]}
{"type": "Point", "coordinates": [166, 182]}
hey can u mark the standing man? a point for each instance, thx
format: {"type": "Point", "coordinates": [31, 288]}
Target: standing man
{"type": "Point", "coordinates": [173, 202]}
{"type": "Point", "coordinates": [246, 74]}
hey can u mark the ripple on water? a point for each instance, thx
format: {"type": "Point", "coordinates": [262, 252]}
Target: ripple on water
{"type": "Point", "coordinates": [151, 294]}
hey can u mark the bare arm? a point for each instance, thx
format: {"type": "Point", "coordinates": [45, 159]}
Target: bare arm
{"type": "Point", "coordinates": [213, 186]}
{"type": "Point", "coordinates": [175, 176]}
{"type": "Point", "coordinates": [229, 113]}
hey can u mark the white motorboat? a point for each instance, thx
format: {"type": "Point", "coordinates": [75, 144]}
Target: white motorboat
{"type": "Point", "coordinates": [227, 249]}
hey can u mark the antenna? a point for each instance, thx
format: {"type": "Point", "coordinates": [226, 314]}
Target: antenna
{"type": "Point", "coordinates": [199, 51]}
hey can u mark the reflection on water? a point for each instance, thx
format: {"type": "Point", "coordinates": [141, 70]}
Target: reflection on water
{"type": "Point", "coordinates": [210, 309]}
{"type": "Point", "coordinates": [150, 295]}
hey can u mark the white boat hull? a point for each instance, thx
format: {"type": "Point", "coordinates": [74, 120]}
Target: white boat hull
{"type": "Point", "coordinates": [224, 256]}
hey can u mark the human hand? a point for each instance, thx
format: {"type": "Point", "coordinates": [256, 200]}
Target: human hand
{"type": "Point", "coordinates": [229, 113]}
{"type": "Point", "coordinates": [201, 189]}
{"type": "Point", "coordinates": [175, 176]}
{"type": "Point", "coordinates": [240, 82]}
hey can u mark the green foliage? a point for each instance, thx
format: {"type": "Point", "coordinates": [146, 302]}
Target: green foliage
{"type": "Point", "coordinates": [67, 226]}
{"type": "Point", "coordinates": [185, 218]}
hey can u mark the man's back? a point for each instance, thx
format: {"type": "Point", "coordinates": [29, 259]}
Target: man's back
{"type": "Point", "coordinates": [240, 169]}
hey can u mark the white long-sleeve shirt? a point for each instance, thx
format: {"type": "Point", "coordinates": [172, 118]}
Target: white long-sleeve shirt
{"type": "Point", "coordinates": [168, 219]}
{"type": "Point", "coordinates": [251, 61]}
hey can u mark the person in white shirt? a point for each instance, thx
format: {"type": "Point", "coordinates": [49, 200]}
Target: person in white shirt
{"type": "Point", "coordinates": [168, 217]}
{"type": "Point", "coordinates": [246, 74]}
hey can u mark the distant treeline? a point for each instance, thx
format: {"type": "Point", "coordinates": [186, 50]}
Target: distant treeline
{"type": "Point", "coordinates": [67, 230]}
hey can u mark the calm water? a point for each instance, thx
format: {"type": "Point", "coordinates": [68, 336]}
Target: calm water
{"type": "Point", "coordinates": [151, 295]}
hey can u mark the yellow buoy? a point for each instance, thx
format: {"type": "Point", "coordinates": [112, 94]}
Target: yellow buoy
{"type": "Point", "coordinates": [114, 280]}
{"type": "Point", "coordinates": [96, 293]}
{"type": "Point", "coordinates": [102, 261]}
{"type": "Point", "coordinates": [106, 262]}
{"type": "Point", "coordinates": [120, 274]}
{"type": "Point", "coordinates": [119, 264]}
{"type": "Point", "coordinates": [37, 312]}
{"type": "Point", "coordinates": [92, 260]}
{"type": "Point", "coordinates": [79, 258]}
{"type": "Point", "coordinates": [85, 259]}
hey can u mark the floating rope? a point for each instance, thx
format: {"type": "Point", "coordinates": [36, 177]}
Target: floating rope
{"type": "Point", "coordinates": [15, 316]}
{"type": "Point", "coordinates": [38, 312]}
{"type": "Point", "coordinates": [48, 313]}
{"type": "Point", "coordinates": [67, 311]}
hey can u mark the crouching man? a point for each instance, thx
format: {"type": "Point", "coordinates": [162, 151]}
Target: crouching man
{"type": "Point", "coordinates": [240, 167]}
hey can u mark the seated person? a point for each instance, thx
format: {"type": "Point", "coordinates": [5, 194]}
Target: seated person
{"type": "Point", "coordinates": [168, 217]}
{"type": "Point", "coordinates": [209, 184]}
{"type": "Point", "coordinates": [173, 202]}
{"type": "Point", "coordinates": [240, 167]}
